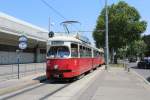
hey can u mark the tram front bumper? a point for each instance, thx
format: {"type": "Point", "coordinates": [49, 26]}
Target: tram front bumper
{"type": "Point", "coordinates": [63, 73]}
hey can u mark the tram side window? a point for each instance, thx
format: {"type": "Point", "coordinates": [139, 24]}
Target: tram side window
{"type": "Point", "coordinates": [96, 53]}
{"type": "Point", "coordinates": [81, 51]}
{"type": "Point", "coordinates": [74, 50]}
{"type": "Point", "coordinates": [89, 54]}
{"type": "Point", "coordinates": [85, 52]}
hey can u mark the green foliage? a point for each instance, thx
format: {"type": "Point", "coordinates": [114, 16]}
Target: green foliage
{"type": "Point", "coordinates": [137, 48]}
{"type": "Point", "coordinates": [122, 52]}
{"type": "Point", "coordinates": [146, 39]}
{"type": "Point", "coordinates": [125, 26]}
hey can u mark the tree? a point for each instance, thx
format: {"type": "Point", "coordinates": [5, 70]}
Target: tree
{"type": "Point", "coordinates": [137, 48]}
{"type": "Point", "coordinates": [146, 39]}
{"type": "Point", "coordinates": [125, 26]}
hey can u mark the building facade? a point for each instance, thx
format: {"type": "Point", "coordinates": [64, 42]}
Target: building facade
{"type": "Point", "coordinates": [10, 30]}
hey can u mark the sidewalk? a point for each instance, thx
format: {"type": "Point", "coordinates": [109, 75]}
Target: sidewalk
{"type": "Point", "coordinates": [116, 84]}
{"type": "Point", "coordinates": [15, 84]}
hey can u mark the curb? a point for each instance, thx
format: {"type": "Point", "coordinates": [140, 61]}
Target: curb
{"type": "Point", "coordinates": [141, 77]}
{"type": "Point", "coordinates": [21, 86]}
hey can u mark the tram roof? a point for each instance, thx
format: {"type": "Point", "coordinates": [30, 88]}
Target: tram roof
{"type": "Point", "coordinates": [69, 38]}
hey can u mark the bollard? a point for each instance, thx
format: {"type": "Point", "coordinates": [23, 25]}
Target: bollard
{"type": "Point", "coordinates": [125, 67]}
{"type": "Point", "coordinates": [128, 69]}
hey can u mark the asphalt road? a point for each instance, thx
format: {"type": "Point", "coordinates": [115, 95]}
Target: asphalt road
{"type": "Point", "coordinates": [143, 72]}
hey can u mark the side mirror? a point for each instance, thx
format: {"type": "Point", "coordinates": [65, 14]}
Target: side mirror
{"type": "Point", "coordinates": [51, 34]}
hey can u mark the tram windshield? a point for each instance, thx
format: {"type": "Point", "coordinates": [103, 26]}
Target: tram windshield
{"type": "Point", "coordinates": [58, 52]}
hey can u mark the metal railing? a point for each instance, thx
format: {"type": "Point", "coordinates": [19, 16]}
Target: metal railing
{"type": "Point", "coordinates": [11, 71]}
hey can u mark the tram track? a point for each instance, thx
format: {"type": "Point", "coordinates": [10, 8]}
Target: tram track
{"type": "Point", "coordinates": [45, 89]}
{"type": "Point", "coordinates": [49, 89]}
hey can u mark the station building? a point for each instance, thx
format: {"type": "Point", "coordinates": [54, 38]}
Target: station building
{"type": "Point", "coordinates": [10, 30]}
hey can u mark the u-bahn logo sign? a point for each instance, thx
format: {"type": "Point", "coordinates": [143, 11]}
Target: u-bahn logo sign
{"type": "Point", "coordinates": [23, 42]}
{"type": "Point", "coordinates": [23, 38]}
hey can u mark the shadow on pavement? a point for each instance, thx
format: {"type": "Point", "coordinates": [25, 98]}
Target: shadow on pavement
{"type": "Point", "coordinates": [148, 79]}
{"type": "Point", "coordinates": [40, 78]}
{"type": "Point", "coordinates": [135, 67]}
{"type": "Point", "coordinates": [43, 79]}
{"type": "Point", "coordinates": [56, 82]}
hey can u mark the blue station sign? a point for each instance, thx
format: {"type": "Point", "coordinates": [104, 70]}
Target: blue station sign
{"type": "Point", "coordinates": [23, 42]}
{"type": "Point", "coordinates": [23, 38]}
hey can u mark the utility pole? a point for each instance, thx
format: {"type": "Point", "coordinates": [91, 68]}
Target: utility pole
{"type": "Point", "coordinates": [106, 36]}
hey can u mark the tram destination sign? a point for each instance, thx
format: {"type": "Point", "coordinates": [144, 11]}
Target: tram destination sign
{"type": "Point", "coordinates": [57, 42]}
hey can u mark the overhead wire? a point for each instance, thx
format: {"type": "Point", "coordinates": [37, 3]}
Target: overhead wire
{"type": "Point", "coordinates": [56, 11]}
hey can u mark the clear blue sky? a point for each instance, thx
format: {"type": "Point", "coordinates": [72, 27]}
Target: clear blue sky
{"type": "Point", "coordinates": [85, 11]}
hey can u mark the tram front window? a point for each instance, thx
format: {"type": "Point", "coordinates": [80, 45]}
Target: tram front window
{"type": "Point", "coordinates": [58, 51]}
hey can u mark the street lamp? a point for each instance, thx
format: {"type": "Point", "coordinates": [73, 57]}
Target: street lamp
{"type": "Point", "coordinates": [106, 36]}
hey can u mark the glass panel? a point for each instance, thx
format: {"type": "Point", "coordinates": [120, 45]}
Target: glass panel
{"type": "Point", "coordinates": [85, 52]}
{"type": "Point", "coordinates": [58, 51]}
{"type": "Point", "coordinates": [89, 52]}
{"type": "Point", "coordinates": [74, 50]}
{"type": "Point", "coordinates": [81, 51]}
{"type": "Point", "coordinates": [96, 53]}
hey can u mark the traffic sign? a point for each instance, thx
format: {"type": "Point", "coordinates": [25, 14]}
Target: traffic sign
{"type": "Point", "coordinates": [22, 45]}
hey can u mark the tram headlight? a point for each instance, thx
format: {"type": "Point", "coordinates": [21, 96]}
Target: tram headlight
{"type": "Point", "coordinates": [55, 66]}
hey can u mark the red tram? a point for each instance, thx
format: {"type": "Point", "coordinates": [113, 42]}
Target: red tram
{"type": "Point", "coordinates": [71, 56]}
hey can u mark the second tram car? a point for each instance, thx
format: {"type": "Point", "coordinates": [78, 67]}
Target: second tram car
{"type": "Point", "coordinates": [71, 56]}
